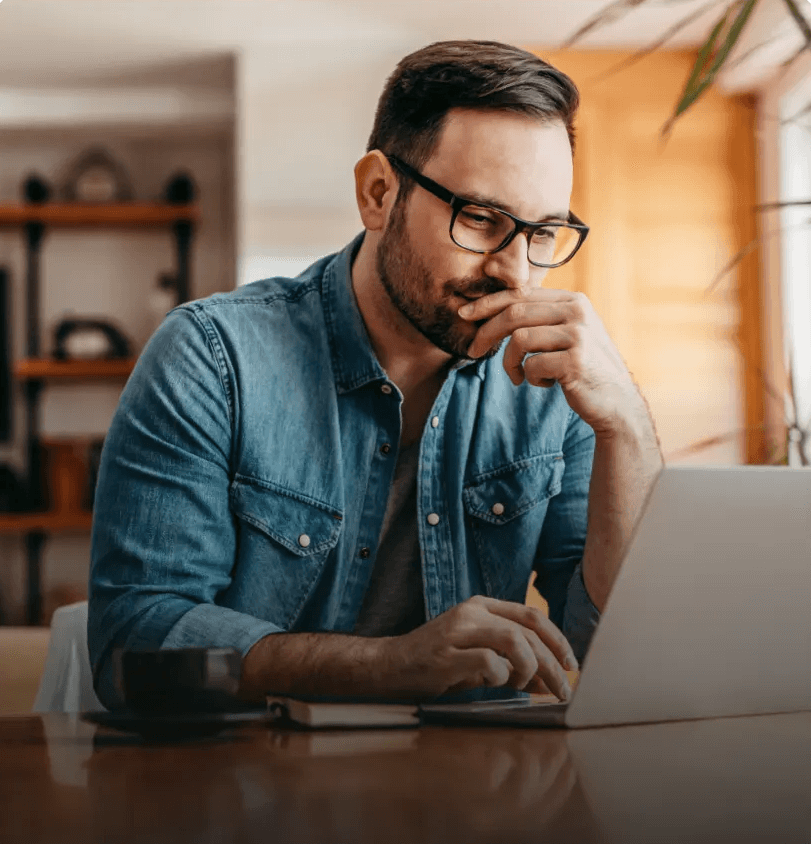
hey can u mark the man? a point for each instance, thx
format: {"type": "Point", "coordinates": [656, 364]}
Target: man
{"type": "Point", "coordinates": [350, 476]}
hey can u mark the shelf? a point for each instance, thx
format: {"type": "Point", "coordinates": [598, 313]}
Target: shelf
{"type": "Point", "coordinates": [80, 215]}
{"type": "Point", "coordinates": [77, 370]}
{"type": "Point", "coordinates": [55, 522]}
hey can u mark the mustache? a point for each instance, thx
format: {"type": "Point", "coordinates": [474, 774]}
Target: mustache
{"type": "Point", "coordinates": [473, 288]}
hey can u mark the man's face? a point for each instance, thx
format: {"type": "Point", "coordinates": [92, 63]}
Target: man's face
{"type": "Point", "coordinates": [510, 161]}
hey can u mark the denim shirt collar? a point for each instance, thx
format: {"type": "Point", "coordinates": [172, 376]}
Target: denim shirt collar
{"type": "Point", "coordinates": [353, 359]}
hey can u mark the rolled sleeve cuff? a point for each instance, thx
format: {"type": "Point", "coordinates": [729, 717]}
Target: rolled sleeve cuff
{"type": "Point", "coordinates": [580, 617]}
{"type": "Point", "coordinates": [212, 626]}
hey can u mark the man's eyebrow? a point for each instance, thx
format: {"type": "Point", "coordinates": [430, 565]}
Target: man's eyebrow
{"type": "Point", "coordinates": [481, 199]}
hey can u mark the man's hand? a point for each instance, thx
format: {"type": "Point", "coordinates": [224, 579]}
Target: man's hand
{"type": "Point", "coordinates": [575, 350]}
{"type": "Point", "coordinates": [481, 642]}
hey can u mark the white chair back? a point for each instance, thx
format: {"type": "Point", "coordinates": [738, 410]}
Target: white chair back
{"type": "Point", "coordinates": [67, 679]}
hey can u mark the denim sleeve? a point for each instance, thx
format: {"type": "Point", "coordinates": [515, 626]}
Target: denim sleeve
{"type": "Point", "coordinates": [164, 541]}
{"type": "Point", "coordinates": [560, 551]}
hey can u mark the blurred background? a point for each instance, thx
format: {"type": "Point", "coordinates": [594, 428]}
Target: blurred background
{"type": "Point", "coordinates": [156, 151]}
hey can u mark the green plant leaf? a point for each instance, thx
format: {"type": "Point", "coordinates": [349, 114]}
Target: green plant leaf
{"type": "Point", "coordinates": [736, 259]}
{"type": "Point", "coordinates": [701, 79]}
{"type": "Point", "coordinates": [691, 89]}
{"type": "Point", "coordinates": [731, 264]}
{"type": "Point", "coordinates": [734, 33]}
{"type": "Point", "coordinates": [611, 13]}
{"type": "Point", "coordinates": [791, 203]}
{"type": "Point", "coordinates": [799, 19]}
{"type": "Point", "coordinates": [659, 43]}
{"type": "Point", "coordinates": [720, 439]}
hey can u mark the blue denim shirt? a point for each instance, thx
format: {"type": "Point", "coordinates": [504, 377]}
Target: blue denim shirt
{"type": "Point", "coordinates": [243, 474]}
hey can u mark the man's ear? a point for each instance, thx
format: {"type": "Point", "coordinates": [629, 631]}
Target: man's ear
{"type": "Point", "coordinates": [375, 189]}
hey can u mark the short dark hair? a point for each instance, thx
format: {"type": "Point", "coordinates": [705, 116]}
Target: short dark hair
{"type": "Point", "coordinates": [445, 75]}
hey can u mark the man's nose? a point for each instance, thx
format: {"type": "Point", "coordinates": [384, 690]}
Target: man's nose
{"type": "Point", "coordinates": [511, 264]}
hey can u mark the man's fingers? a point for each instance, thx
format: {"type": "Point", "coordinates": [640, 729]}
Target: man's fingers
{"type": "Point", "coordinates": [546, 367]}
{"type": "Point", "coordinates": [508, 640]}
{"type": "Point", "coordinates": [536, 686]}
{"type": "Point", "coordinates": [530, 341]}
{"type": "Point", "coordinates": [521, 645]}
{"type": "Point", "coordinates": [501, 324]}
{"type": "Point", "coordinates": [534, 619]}
{"type": "Point", "coordinates": [549, 670]}
{"type": "Point", "coordinates": [476, 667]}
{"type": "Point", "coordinates": [489, 305]}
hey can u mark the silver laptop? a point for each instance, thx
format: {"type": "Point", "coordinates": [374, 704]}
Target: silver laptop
{"type": "Point", "coordinates": [710, 614]}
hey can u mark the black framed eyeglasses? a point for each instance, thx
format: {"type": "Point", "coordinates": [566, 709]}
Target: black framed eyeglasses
{"type": "Point", "coordinates": [483, 229]}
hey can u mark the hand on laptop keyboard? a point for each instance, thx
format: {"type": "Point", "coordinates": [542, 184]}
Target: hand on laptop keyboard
{"type": "Point", "coordinates": [481, 642]}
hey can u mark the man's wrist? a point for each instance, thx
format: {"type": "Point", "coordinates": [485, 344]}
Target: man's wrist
{"type": "Point", "coordinates": [632, 427]}
{"type": "Point", "coordinates": [317, 664]}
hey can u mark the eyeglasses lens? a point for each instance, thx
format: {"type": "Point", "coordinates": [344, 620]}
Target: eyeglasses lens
{"type": "Point", "coordinates": [484, 230]}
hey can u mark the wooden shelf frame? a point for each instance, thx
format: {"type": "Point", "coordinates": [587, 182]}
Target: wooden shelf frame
{"type": "Point", "coordinates": [87, 215]}
{"type": "Point", "coordinates": [79, 521]}
{"type": "Point", "coordinates": [49, 369]}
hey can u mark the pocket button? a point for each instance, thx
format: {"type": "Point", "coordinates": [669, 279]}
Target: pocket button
{"type": "Point", "coordinates": [498, 508]}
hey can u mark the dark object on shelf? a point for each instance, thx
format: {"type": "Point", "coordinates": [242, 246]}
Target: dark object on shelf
{"type": "Point", "coordinates": [5, 358]}
{"type": "Point", "coordinates": [102, 338]}
{"type": "Point", "coordinates": [180, 189]}
{"type": "Point", "coordinates": [95, 176]}
{"type": "Point", "coordinates": [178, 680]}
{"type": "Point", "coordinates": [36, 190]}
{"type": "Point", "coordinates": [13, 494]}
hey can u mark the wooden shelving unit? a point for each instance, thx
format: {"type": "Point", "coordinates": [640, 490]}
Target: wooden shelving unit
{"type": "Point", "coordinates": [83, 215]}
{"type": "Point", "coordinates": [46, 369]}
{"type": "Point", "coordinates": [79, 521]}
{"type": "Point", "coordinates": [34, 372]}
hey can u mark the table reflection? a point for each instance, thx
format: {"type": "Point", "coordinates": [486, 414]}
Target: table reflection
{"type": "Point", "coordinates": [398, 785]}
{"type": "Point", "coordinates": [720, 780]}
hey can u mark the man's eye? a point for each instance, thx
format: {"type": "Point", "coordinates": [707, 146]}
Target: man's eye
{"type": "Point", "coordinates": [478, 218]}
{"type": "Point", "coordinates": [545, 235]}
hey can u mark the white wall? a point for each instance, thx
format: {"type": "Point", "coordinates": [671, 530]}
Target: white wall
{"type": "Point", "coordinates": [299, 135]}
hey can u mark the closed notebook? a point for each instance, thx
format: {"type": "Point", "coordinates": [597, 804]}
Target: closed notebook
{"type": "Point", "coordinates": [317, 714]}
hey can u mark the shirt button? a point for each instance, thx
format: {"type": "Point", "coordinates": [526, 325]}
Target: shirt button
{"type": "Point", "coordinates": [385, 448]}
{"type": "Point", "coordinates": [433, 519]}
{"type": "Point", "coordinates": [304, 540]}
{"type": "Point", "coordinates": [435, 422]}
{"type": "Point", "coordinates": [364, 553]}
{"type": "Point", "coordinates": [498, 508]}
{"type": "Point", "coordinates": [385, 388]}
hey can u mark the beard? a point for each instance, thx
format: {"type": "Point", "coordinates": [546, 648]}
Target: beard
{"type": "Point", "coordinates": [410, 286]}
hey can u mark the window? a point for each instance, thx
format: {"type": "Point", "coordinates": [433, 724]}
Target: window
{"type": "Point", "coordinates": [795, 222]}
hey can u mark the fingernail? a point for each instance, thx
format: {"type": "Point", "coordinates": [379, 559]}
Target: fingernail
{"type": "Point", "coordinates": [571, 663]}
{"type": "Point", "coordinates": [465, 310]}
{"type": "Point", "coordinates": [566, 690]}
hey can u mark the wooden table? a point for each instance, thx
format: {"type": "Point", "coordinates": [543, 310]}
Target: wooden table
{"type": "Point", "coordinates": [725, 780]}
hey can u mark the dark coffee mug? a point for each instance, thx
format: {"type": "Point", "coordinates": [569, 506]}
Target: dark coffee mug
{"type": "Point", "coordinates": [178, 680]}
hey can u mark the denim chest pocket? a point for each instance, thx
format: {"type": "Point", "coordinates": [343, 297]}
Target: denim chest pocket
{"type": "Point", "coordinates": [284, 542]}
{"type": "Point", "coordinates": [506, 509]}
